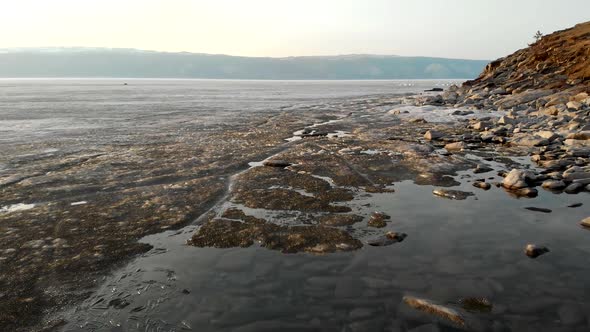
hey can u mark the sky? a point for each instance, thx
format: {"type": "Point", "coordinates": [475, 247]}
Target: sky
{"type": "Point", "coordinates": [468, 29]}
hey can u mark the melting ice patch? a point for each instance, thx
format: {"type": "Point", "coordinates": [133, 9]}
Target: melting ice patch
{"type": "Point", "coordinates": [16, 207]}
{"type": "Point", "coordinates": [440, 114]}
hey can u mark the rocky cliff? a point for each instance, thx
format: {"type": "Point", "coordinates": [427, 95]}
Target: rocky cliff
{"type": "Point", "coordinates": [550, 71]}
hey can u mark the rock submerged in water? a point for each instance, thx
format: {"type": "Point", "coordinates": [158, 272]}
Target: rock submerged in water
{"type": "Point", "coordinates": [476, 304]}
{"type": "Point", "coordinates": [378, 220]}
{"type": "Point", "coordinates": [537, 209]}
{"type": "Point", "coordinates": [430, 307]}
{"type": "Point", "coordinates": [534, 251]}
{"type": "Point", "coordinates": [388, 239]}
{"type": "Point", "coordinates": [336, 220]}
{"type": "Point", "coordinates": [452, 194]}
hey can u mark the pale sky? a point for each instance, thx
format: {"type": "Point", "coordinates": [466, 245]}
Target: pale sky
{"type": "Point", "coordinates": [472, 29]}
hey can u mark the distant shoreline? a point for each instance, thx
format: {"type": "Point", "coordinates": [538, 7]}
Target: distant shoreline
{"type": "Point", "coordinates": [224, 79]}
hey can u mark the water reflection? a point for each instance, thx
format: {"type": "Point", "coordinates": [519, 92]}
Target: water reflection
{"type": "Point", "coordinates": [455, 250]}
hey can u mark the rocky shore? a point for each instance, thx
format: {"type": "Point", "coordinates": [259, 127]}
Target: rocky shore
{"type": "Point", "coordinates": [293, 182]}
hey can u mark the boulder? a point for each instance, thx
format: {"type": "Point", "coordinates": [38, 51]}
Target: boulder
{"type": "Point", "coordinates": [517, 179]}
{"type": "Point", "coordinates": [585, 222]}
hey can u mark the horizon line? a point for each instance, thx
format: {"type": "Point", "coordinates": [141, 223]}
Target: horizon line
{"type": "Point", "coordinates": [40, 48]}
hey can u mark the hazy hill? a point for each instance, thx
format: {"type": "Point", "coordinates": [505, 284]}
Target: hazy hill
{"type": "Point", "coordinates": [97, 62]}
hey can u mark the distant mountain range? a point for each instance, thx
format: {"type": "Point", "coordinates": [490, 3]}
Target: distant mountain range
{"type": "Point", "coordinates": [128, 63]}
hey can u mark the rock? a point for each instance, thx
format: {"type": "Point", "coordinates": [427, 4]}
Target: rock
{"type": "Point", "coordinates": [577, 143]}
{"type": "Point", "coordinates": [581, 135]}
{"type": "Point", "coordinates": [476, 304]}
{"type": "Point", "coordinates": [534, 251]}
{"type": "Point", "coordinates": [575, 205]}
{"type": "Point", "coordinates": [388, 239]}
{"type": "Point", "coordinates": [553, 184]}
{"type": "Point", "coordinates": [574, 105]}
{"type": "Point", "coordinates": [276, 163]}
{"type": "Point", "coordinates": [536, 209]}
{"type": "Point", "coordinates": [378, 220]}
{"type": "Point", "coordinates": [457, 146]}
{"type": "Point", "coordinates": [529, 140]}
{"type": "Point", "coordinates": [450, 97]}
{"type": "Point", "coordinates": [576, 173]}
{"type": "Point", "coordinates": [434, 90]}
{"type": "Point", "coordinates": [585, 222]}
{"type": "Point", "coordinates": [481, 125]}
{"type": "Point", "coordinates": [547, 134]}
{"type": "Point", "coordinates": [336, 220]}
{"type": "Point", "coordinates": [444, 312]}
{"type": "Point", "coordinates": [525, 192]}
{"type": "Point", "coordinates": [433, 135]}
{"type": "Point", "coordinates": [506, 120]}
{"type": "Point", "coordinates": [517, 179]}
{"type": "Point", "coordinates": [574, 188]}
{"type": "Point", "coordinates": [482, 169]}
{"type": "Point", "coordinates": [482, 185]}
{"type": "Point", "coordinates": [452, 194]}
{"type": "Point", "coordinates": [498, 91]}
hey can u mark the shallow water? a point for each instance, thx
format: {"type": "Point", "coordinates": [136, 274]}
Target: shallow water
{"type": "Point", "coordinates": [454, 250]}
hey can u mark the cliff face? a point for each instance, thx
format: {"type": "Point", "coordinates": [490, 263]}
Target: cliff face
{"type": "Point", "coordinates": [558, 66]}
